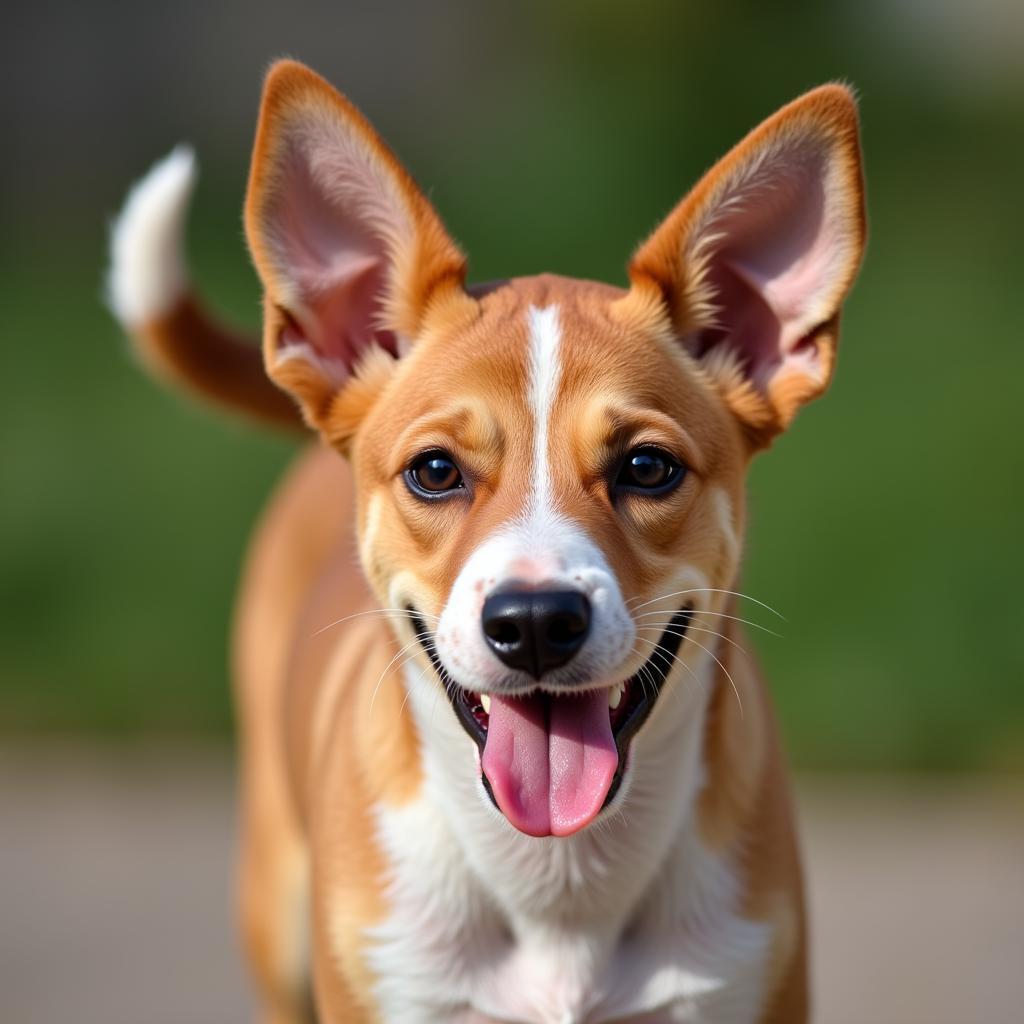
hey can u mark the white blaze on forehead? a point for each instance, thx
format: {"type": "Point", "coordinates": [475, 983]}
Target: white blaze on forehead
{"type": "Point", "coordinates": [545, 371]}
{"type": "Point", "coordinates": [540, 545]}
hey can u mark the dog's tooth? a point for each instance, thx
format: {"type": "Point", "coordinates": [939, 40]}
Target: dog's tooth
{"type": "Point", "coordinates": [615, 695]}
{"type": "Point", "coordinates": [485, 702]}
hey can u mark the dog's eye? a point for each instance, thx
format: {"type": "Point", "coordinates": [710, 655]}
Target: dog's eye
{"type": "Point", "coordinates": [649, 470]}
{"type": "Point", "coordinates": [433, 473]}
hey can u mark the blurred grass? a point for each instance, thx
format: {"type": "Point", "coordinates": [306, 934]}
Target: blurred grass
{"type": "Point", "coordinates": [885, 526]}
{"type": "Point", "coordinates": [123, 523]}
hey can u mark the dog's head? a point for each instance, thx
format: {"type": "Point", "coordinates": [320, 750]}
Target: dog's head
{"type": "Point", "coordinates": [550, 472]}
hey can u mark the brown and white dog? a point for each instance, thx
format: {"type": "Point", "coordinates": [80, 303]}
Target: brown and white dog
{"type": "Point", "coordinates": [529, 773]}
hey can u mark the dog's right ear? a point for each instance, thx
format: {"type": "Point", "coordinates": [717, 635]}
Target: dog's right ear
{"type": "Point", "coordinates": [352, 257]}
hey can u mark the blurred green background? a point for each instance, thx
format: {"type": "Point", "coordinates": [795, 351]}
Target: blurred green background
{"type": "Point", "coordinates": [552, 136]}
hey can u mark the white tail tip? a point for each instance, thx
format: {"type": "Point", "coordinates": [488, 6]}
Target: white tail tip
{"type": "Point", "coordinates": [148, 274]}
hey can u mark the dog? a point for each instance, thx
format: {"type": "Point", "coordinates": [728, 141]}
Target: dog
{"type": "Point", "coordinates": [521, 768]}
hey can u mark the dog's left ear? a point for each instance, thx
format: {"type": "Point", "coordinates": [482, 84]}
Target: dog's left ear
{"type": "Point", "coordinates": [753, 265]}
{"type": "Point", "coordinates": [353, 259]}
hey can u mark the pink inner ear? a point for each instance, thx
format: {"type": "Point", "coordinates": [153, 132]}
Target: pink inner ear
{"type": "Point", "coordinates": [777, 266]}
{"type": "Point", "coordinates": [337, 268]}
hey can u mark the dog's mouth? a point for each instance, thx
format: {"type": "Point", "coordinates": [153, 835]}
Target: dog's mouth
{"type": "Point", "coordinates": [551, 762]}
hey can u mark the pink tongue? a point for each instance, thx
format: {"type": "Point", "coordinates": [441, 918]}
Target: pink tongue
{"type": "Point", "coordinates": [550, 760]}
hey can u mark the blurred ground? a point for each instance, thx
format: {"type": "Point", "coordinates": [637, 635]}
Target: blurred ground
{"type": "Point", "coordinates": [117, 868]}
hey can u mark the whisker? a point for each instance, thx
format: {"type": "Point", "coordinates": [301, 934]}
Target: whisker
{"type": "Point", "coordinates": [728, 674]}
{"type": "Point", "coordinates": [420, 678]}
{"type": "Point", "coordinates": [376, 611]}
{"type": "Point", "coordinates": [674, 658]}
{"type": "Point", "coordinates": [645, 674]}
{"type": "Point", "coordinates": [711, 654]}
{"type": "Point", "coordinates": [719, 615]}
{"type": "Point", "coordinates": [664, 654]}
{"type": "Point", "coordinates": [412, 643]}
{"type": "Point", "coordinates": [690, 629]}
{"type": "Point", "coordinates": [705, 590]}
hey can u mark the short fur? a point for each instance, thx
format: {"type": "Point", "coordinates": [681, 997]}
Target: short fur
{"type": "Point", "coordinates": [378, 881]}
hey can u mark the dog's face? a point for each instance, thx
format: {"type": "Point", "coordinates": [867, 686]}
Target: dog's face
{"type": "Point", "coordinates": [528, 481]}
{"type": "Point", "coordinates": [550, 472]}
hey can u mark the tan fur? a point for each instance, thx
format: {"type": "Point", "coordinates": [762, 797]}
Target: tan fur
{"type": "Point", "coordinates": [189, 348]}
{"type": "Point", "coordinates": [316, 760]}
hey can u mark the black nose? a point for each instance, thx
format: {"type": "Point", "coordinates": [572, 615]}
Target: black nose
{"type": "Point", "coordinates": [536, 630]}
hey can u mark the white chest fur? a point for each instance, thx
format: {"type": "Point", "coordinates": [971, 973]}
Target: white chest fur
{"type": "Point", "coordinates": [630, 920]}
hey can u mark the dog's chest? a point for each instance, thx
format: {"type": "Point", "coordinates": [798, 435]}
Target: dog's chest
{"type": "Point", "coordinates": [453, 949]}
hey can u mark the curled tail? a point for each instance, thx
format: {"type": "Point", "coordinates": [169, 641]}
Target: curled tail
{"type": "Point", "coordinates": [149, 293]}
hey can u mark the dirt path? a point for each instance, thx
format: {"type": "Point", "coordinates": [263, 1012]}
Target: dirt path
{"type": "Point", "coordinates": [115, 888]}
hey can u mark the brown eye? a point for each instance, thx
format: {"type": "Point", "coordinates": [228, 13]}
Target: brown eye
{"type": "Point", "coordinates": [433, 474]}
{"type": "Point", "coordinates": [649, 470]}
